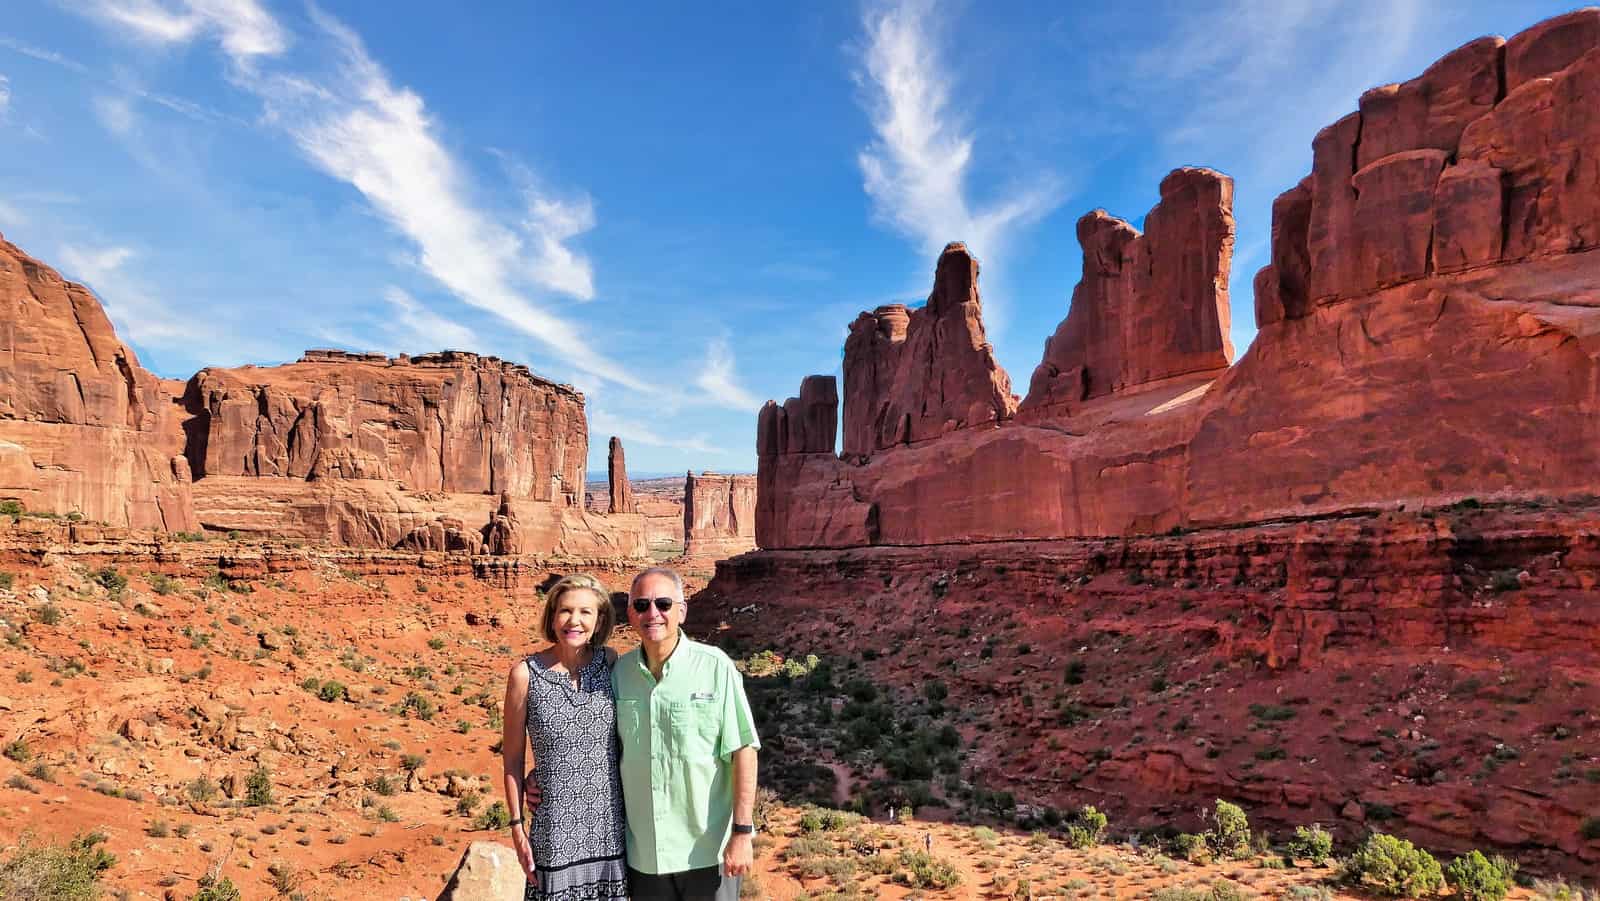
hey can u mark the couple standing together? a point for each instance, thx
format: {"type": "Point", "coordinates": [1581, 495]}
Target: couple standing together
{"type": "Point", "coordinates": [644, 779]}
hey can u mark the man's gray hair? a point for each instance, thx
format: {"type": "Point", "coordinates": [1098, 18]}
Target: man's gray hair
{"type": "Point", "coordinates": [667, 571]}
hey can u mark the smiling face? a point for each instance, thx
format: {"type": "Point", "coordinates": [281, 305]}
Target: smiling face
{"type": "Point", "coordinates": [576, 615]}
{"type": "Point", "coordinates": [655, 625]}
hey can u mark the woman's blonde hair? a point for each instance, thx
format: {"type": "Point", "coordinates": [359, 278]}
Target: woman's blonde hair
{"type": "Point", "coordinates": [605, 617]}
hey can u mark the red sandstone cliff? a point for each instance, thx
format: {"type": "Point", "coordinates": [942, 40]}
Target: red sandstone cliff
{"type": "Point", "coordinates": [911, 375]}
{"type": "Point", "coordinates": [718, 514]}
{"type": "Point", "coordinates": [1150, 306]}
{"type": "Point", "coordinates": [448, 451]}
{"type": "Point", "coordinates": [1428, 333]}
{"type": "Point", "coordinates": [73, 396]}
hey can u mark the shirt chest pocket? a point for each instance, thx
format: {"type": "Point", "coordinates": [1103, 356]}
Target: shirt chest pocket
{"type": "Point", "coordinates": [696, 724]}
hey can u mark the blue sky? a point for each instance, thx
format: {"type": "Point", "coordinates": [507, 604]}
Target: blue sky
{"type": "Point", "coordinates": [677, 209]}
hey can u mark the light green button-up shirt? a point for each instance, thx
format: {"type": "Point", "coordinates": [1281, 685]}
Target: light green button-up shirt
{"type": "Point", "coordinates": [678, 738]}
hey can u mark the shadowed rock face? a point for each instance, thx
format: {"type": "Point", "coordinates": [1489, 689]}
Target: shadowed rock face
{"type": "Point", "coordinates": [718, 514]}
{"type": "Point", "coordinates": [1428, 327]}
{"type": "Point", "coordinates": [73, 398]}
{"type": "Point", "coordinates": [1150, 306]}
{"type": "Point", "coordinates": [912, 375]}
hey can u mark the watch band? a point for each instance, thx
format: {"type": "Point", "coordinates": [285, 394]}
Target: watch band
{"type": "Point", "coordinates": [515, 822]}
{"type": "Point", "coordinates": [743, 828]}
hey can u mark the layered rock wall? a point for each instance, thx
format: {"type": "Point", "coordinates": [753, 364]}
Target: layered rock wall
{"type": "Point", "coordinates": [73, 396]}
{"type": "Point", "coordinates": [1429, 328]}
{"type": "Point", "coordinates": [718, 514]}
{"type": "Point", "coordinates": [1149, 306]}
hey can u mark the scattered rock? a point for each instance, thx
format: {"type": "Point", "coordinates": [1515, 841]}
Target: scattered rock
{"type": "Point", "coordinates": [487, 872]}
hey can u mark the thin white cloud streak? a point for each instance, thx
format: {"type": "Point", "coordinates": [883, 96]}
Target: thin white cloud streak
{"type": "Point", "coordinates": [139, 317]}
{"type": "Point", "coordinates": [424, 329]}
{"type": "Point", "coordinates": [43, 55]}
{"type": "Point", "coordinates": [243, 28]}
{"type": "Point", "coordinates": [720, 384]}
{"type": "Point", "coordinates": [604, 423]}
{"type": "Point", "coordinates": [915, 170]}
{"type": "Point", "coordinates": [5, 97]}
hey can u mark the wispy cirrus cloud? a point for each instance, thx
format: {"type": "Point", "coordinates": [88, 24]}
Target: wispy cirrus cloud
{"type": "Point", "coordinates": [417, 327]}
{"type": "Point", "coordinates": [353, 123]}
{"type": "Point", "coordinates": [139, 315]}
{"type": "Point", "coordinates": [916, 169]}
{"type": "Point", "coordinates": [718, 381]}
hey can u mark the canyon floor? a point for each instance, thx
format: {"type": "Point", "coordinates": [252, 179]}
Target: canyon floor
{"type": "Point", "coordinates": [324, 724]}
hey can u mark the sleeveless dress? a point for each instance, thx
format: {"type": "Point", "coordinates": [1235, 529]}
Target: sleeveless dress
{"type": "Point", "coordinates": [578, 831]}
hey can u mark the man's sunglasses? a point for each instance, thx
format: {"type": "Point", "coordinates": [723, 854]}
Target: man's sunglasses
{"type": "Point", "coordinates": [640, 605]}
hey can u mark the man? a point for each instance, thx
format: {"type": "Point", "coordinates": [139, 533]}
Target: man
{"type": "Point", "coordinates": [688, 754]}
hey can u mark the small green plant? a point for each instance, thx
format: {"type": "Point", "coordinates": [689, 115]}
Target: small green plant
{"type": "Point", "coordinates": [1312, 843]}
{"type": "Point", "coordinates": [258, 788]}
{"type": "Point", "coordinates": [216, 888]}
{"type": "Point", "coordinates": [919, 869]}
{"type": "Point", "coordinates": [158, 828]}
{"type": "Point", "coordinates": [47, 614]}
{"type": "Point", "coordinates": [412, 762]}
{"type": "Point", "coordinates": [1393, 866]}
{"type": "Point", "coordinates": [17, 751]}
{"type": "Point", "coordinates": [381, 785]}
{"type": "Point", "coordinates": [13, 509]}
{"type": "Point", "coordinates": [436, 643]}
{"type": "Point", "coordinates": [331, 691]}
{"type": "Point", "coordinates": [201, 789]}
{"type": "Point", "coordinates": [494, 817]}
{"type": "Point", "coordinates": [1480, 878]}
{"type": "Point", "coordinates": [7, 580]}
{"type": "Point", "coordinates": [163, 584]}
{"type": "Point", "coordinates": [387, 815]}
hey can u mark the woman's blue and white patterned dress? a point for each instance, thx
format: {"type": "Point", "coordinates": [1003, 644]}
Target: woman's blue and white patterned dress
{"type": "Point", "coordinates": [578, 829]}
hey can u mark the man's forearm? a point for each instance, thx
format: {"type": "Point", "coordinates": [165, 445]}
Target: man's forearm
{"type": "Point", "coordinates": [744, 784]}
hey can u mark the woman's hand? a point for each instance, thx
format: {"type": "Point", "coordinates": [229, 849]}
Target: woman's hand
{"type": "Point", "coordinates": [519, 841]}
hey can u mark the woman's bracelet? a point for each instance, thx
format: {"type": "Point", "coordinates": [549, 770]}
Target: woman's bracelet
{"type": "Point", "coordinates": [515, 822]}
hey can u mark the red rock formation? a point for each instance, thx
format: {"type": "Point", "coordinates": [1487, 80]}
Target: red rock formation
{"type": "Point", "coordinates": [801, 499]}
{"type": "Point", "coordinates": [1428, 334]}
{"type": "Point", "coordinates": [617, 479]}
{"type": "Point", "coordinates": [502, 537]}
{"type": "Point", "coordinates": [1149, 307]}
{"type": "Point", "coordinates": [84, 429]}
{"type": "Point", "coordinates": [912, 376]}
{"type": "Point", "coordinates": [718, 515]}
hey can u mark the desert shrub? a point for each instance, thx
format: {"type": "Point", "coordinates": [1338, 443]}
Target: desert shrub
{"type": "Point", "coordinates": [1272, 713]}
{"type": "Point", "coordinates": [1393, 866]}
{"type": "Point", "coordinates": [1191, 847]}
{"type": "Point", "coordinates": [467, 803]}
{"type": "Point", "coordinates": [111, 580]}
{"type": "Point", "coordinates": [412, 762]}
{"type": "Point", "coordinates": [1221, 890]}
{"type": "Point", "coordinates": [1087, 828]}
{"type": "Point", "coordinates": [13, 509]}
{"type": "Point", "coordinates": [163, 584]}
{"type": "Point", "coordinates": [258, 788]}
{"type": "Point", "coordinates": [201, 789]}
{"type": "Point", "coordinates": [494, 817]}
{"type": "Point", "coordinates": [1311, 843]}
{"type": "Point", "coordinates": [1479, 878]}
{"type": "Point", "coordinates": [381, 785]}
{"type": "Point", "coordinates": [919, 869]}
{"type": "Point", "coordinates": [36, 872]}
{"type": "Point", "coordinates": [158, 828]}
{"type": "Point", "coordinates": [1230, 836]}
{"type": "Point", "coordinates": [985, 836]}
{"type": "Point", "coordinates": [386, 814]}
{"type": "Point", "coordinates": [436, 643]}
{"type": "Point", "coordinates": [7, 580]}
{"type": "Point", "coordinates": [48, 614]}
{"type": "Point", "coordinates": [17, 751]}
{"type": "Point", "coordinates": [284, 879]}
{"type": "Point", "coordinates": [216, 888]}
{"type": "Point", "coordinates": [331, 691]}
{"type": "Point", "coordinates": [418, 705]}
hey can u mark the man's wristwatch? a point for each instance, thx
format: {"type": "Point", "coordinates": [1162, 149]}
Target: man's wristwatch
{"type": "Point", "coordinates": [743, 828]}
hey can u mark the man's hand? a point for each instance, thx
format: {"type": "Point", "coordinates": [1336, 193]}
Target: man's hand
{"type": "Point", "coordinates": [739, 856]}
{"type": "Point", "coordinates": [531, 795]}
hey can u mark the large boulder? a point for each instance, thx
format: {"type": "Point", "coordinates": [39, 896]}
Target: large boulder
{"type": "Point", "coordinates": [488, 872]}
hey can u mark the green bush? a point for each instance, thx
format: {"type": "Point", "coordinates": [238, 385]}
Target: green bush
{"type": "Point", "coordinates": [213, 888]}
{"type": "Point", "coordinates": [1221, 890]}
{"type": "Point", "coordinates": [55, 873]}
{"type": "Point", "coordinates": [331, 691]}
{"type": "Point", "coordinates": [17, 751]}
{"type": "Point", "coordinates": [1479, 878]}
{"type": "Point", "coordinates": [1393, 866]}
{"type": "Point", "coordinates": [922, 870]}
{"type": "Point", "coordinates": [1087, 829]}
{"type": "Point", "coordinates": [7, 580]}
{"type": "Point", "coordinates": [495, 817]}
{"type": "Point", "coordinates": [1313, 844]}
{"type": "Point", "coordinates": [163, 584]}
{"type": "Point", "coordinates": [13, 509]}
{"type": "Point", "coordinates": [1231, 834]}
{"type": "Point", "coordinates": [258, 788]}
{"type": "Point", "coordinates": [48, 614]}
{"type": "Point", "coordinates": [201, 789]}
{"type": "Point", "coordinates": [112, 581]}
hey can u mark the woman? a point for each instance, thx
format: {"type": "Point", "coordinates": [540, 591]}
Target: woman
{"type": "Point", "coordinates": [560, 700]}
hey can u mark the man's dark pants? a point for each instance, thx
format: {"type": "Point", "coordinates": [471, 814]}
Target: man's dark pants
{"type": "Point", "coordinates": [706, 884]}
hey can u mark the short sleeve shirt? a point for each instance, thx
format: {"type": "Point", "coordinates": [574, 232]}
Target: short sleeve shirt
{"type": "Point", "coordinates": [678, 738]}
